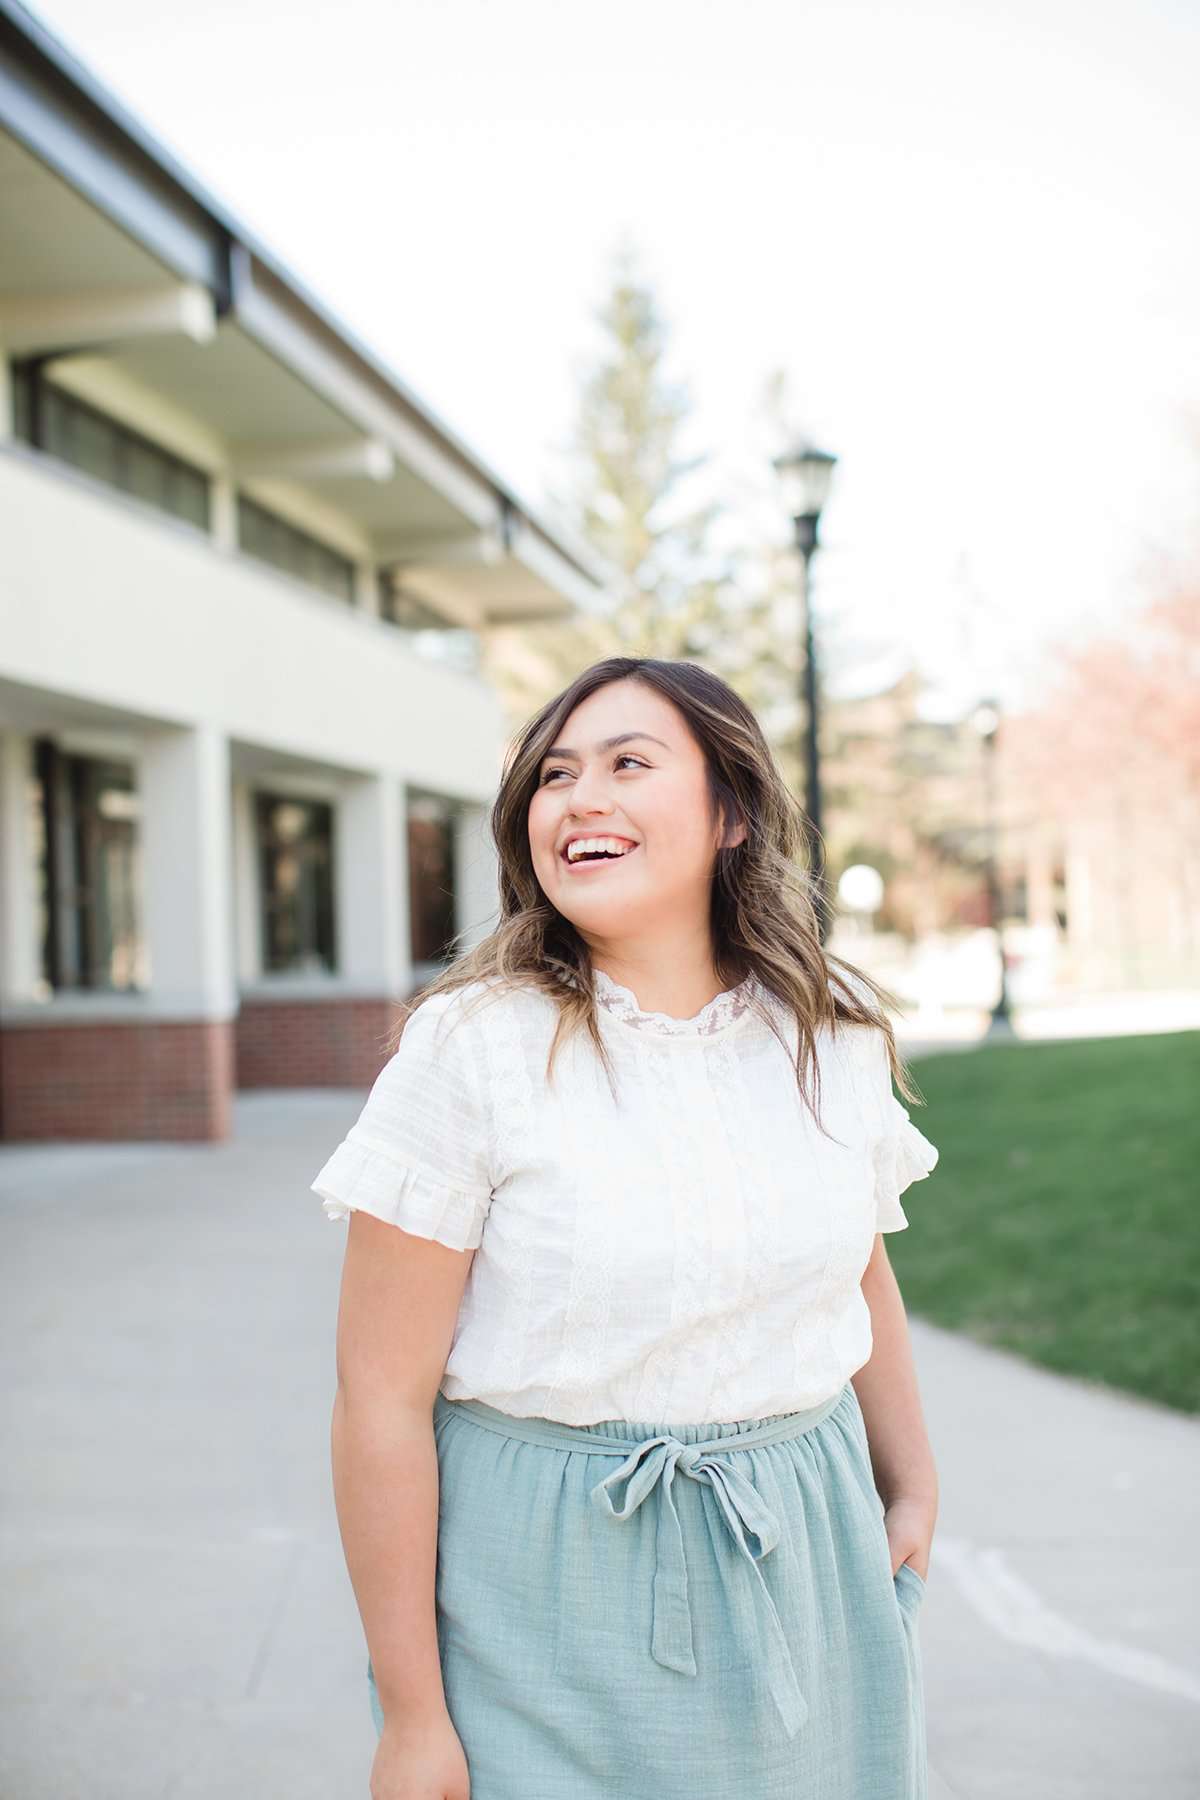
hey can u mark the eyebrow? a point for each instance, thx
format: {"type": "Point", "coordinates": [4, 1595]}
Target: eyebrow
{"type": "Point", "coordinates": [611, 743]}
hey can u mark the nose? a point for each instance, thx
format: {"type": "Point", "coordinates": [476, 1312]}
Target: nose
{"type": "Point", "coordinates": [590, 793]}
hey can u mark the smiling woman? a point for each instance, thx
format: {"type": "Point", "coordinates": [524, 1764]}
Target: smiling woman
{"type": "Point", "coordinates": [658, 1119]}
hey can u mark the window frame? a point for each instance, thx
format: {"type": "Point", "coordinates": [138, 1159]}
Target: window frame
{"type": "Point", "coordinates": [36, 397]}
{"type": "Point", "coordinates": [310, 550]}
{"type": "Point", "coordinates": [319, 957]}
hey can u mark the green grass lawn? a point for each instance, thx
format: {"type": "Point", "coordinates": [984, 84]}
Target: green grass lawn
{"type": "Point", "coordinates": [1063, 1218]}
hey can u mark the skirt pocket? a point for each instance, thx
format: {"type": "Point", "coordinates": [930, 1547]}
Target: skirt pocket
{"type": "Point", "coordinates": [909, 1582]}
{"type": "Point", "coordinates": [373, 1697]}
{"type": "Point", "coordinates": [910, 1593]}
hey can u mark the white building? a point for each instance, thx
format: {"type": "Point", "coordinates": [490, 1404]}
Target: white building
{"type": "Point", "coordinates": [246, 757]}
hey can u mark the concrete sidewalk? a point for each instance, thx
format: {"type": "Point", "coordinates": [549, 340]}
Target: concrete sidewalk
{"type": "Point", "coordinates": [178, 1621]}
{"type": "Point", "coordinates": [1123, 1013]}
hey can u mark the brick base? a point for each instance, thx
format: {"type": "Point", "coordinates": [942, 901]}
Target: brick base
{"type": "Point", "coordinates": [116, 1080]}
{"type": "Point", "coordinates": [313, 1043]}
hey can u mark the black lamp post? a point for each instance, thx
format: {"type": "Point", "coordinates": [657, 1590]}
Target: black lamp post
{"type": "Point", "coordinates": [805, 474]}
{"type": "Point", "coordinates": [986, 721]}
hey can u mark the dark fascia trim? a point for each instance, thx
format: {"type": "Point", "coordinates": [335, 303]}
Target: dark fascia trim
{"type": "Point", "coordinates": [56, 107]}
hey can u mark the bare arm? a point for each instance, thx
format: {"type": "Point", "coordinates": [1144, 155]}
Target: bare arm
{"type": "Point", "coordinates": [399, 1303]}
{"type": "Point", "coordinates": [901, 1457]}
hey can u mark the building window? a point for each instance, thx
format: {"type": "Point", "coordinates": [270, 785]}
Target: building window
{"type": "Point", "coordinates": [295, 860]}
{"type": "Point", "coordinates": [272, 540]}
{"type": "Point", "coordinates": [431, 873]}
{"type": "Point", "coordinates": [425, 630]}
{"type": "Point", "coordinates": [55, 421]}
{"type": "Point", "coordinates": [87, 833]}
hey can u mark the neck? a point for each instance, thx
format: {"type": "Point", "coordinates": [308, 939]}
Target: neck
{"type": "Point", "coordinates": [674, 978]}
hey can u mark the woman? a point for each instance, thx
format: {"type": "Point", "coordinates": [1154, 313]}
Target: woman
{"type": "Point", "coordinates": [610, 1499]}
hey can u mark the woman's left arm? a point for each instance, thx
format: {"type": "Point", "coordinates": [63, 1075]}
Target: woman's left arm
{"type": "Point", "coordinates": [886, 1386]}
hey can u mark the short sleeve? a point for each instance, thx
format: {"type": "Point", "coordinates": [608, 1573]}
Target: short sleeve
{"type": "Point", "coordinates": [901, 1153]}
{"type": "Point", "coordinates": [418, 1156]}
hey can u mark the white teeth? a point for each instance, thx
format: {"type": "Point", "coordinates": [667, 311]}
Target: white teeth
{"type": "Point", "coordinates": [580, 846]}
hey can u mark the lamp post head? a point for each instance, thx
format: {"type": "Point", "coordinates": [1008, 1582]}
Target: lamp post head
{"type": "Point", "coordinates": [805, 474]}
{"type": "Point", "coordinates": [985, 719]}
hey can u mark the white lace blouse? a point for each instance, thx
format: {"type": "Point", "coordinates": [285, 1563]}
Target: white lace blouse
{"type": "Point", "coordinates": [691, 1253]}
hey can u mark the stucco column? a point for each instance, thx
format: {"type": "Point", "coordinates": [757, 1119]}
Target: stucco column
{"type": "Point", "coordinates": [187, 882]}
{"type": "Point", "coordinates": [370, 892]}
{"type": "Point", "coordinates": [476, 890]}
{"type": "Point", "coordinates": [19, 965]}
{"type": "Point", "coordinates": [247, 925]}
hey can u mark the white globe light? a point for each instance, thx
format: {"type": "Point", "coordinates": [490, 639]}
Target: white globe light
{"type": "Point", "coordinates": [861, 888]}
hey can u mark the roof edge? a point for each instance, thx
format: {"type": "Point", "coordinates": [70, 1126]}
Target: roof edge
{"type": "Point", "coordinates": [80, 83]}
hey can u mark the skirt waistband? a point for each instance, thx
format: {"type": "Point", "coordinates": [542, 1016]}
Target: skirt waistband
{"type": "Point", "coordinates": [650, 1465]}
{"type": "Point", "coordinates": [558, 1435]}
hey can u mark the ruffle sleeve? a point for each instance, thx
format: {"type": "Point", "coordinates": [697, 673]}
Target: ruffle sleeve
{"type": "Point", "coordinates": [902, 1155]}
{"type": "Point", "coordinates": [358, 1178]}
{"type": "Point", "coordinates": [418, 1156]}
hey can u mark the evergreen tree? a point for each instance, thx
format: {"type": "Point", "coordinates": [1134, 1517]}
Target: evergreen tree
{"type": "Point", "coordinates": [632, 480]}
{"type": "Point", "coordinates": [629, 491]}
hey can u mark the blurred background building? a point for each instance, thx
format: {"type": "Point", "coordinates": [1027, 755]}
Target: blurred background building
{"type": "Point", "coordinates": [266, 623]}
{"type": "Point", "coordinates": [246, 746]}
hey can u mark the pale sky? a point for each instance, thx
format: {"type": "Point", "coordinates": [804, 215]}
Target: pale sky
{"type": "Point", "coordinates": [966, 230]}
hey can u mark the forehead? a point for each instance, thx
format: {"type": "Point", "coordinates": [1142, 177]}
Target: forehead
{"type": "Point", "coordinates": [622, 706]}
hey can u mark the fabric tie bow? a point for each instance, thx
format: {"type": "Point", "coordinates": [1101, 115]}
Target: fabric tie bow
{"type": "Point", "coordinates": [654, 1463]}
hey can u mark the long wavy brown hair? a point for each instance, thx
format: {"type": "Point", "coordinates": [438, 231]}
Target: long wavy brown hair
{"type": "Point", "coordinates": [763, 914]}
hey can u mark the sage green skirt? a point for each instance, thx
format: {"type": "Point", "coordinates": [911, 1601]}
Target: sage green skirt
{"type": "Point", "coordinates": [647, 1611]}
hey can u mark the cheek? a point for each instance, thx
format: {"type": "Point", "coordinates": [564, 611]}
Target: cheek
{"type": "Point", "coordinates": [537, 821]}
{"type": "Point", "coordinates": [679, 842]}
{"type": "Point", "coordinates": [542, 827]}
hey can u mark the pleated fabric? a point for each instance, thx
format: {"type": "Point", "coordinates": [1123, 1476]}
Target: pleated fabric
{"type": "Point", "coordinates": [646, 1611]}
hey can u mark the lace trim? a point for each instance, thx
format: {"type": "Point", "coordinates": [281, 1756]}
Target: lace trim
{"type": "Point", "coordinates": [724, 1009]}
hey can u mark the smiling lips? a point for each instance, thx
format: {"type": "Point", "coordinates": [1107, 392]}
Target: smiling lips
{"type": "Point", "coordinates": [594, 852]}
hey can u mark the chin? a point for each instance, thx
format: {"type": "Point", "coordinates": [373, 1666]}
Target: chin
{"type": "Point", "coordinates": [609, 921]}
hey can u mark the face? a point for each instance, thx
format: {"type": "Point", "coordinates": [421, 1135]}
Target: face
{"type": "Point", "coordinates": [650, 792]}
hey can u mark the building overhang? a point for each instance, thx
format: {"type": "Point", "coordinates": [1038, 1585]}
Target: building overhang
{"type": "Point", "coordinates": [111, 251]}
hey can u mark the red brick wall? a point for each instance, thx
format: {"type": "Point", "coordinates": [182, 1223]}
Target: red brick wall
{"type": "Point", "coordinates": [174, 1079]}
{"type": "Point", "coordinates": [313, 1043]}
{"type": "Point", "coordinates": [116, 1080]}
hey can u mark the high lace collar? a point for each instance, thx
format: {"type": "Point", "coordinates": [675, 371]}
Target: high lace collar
{"type": "Point", "coordinates": [721, 1011]}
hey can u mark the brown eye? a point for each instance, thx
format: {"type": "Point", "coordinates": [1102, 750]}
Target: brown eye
{"type": "Point", "coordinates": [626, 756]}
